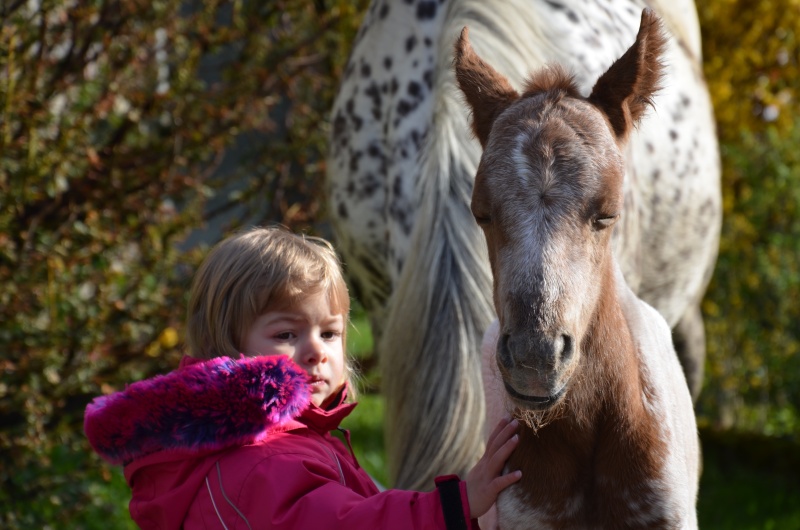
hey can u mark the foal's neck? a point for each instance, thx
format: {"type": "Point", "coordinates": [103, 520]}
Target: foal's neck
{"type": "Point", "coordinates": [603, 429]}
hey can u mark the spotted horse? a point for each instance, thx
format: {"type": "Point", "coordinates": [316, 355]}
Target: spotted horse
{"type": "Point", "coordinates": [401, 164]}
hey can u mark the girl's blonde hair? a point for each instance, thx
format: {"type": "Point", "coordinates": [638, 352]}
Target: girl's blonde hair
{"type": "Point", "coordinates": [255, 271]}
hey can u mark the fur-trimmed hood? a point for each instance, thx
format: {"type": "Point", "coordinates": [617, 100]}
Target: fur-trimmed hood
{"type": "Point", "coordinates": [206, 405]}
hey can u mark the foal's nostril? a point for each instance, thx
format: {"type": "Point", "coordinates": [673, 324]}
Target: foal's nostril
{"type": "Point", "coordinates": [503, 353]}
{"type": "Point", "coordinates": [567, 348]}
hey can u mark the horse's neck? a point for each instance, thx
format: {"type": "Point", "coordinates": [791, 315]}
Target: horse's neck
{"type": "Point", "coordinates": [604, 429]}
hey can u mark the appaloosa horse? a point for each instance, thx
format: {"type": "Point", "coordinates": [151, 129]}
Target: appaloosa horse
{"type": "Point", "coordinates": [609, 437]}
{"type": "Point", "coordinates": [401, 167]}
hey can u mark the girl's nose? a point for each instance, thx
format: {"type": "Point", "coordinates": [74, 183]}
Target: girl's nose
{"type": "Point", "coordinates": [313, 351]}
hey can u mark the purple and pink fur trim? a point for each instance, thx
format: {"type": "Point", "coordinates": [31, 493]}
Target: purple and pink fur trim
{"type": "Point", "coordinates": [207, 405]}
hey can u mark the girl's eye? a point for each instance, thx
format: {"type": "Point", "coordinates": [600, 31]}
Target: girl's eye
{"type": "Point", "coordinates": [330, 335]}
{"type": "Point", "coordinates": [286, 335]}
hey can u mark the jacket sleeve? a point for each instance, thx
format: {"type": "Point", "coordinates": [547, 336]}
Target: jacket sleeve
{"type": "Point", "coordinates": [290, 491]}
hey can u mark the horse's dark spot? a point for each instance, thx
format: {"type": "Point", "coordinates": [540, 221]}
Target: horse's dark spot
{"type": "Point", "coordinates": [357, 123]}
{"type": "Point", "coordinates": [351, 187]}
{"type": "Point", "coordinates": [415, 63]}
{"type": "Point", "coordinates": [415, 138]}
{"type": "Point", "coordinates": [387, 62]}
{"type": "Point", "coordinates": [374, 94]}
{"type": "Point", "coordinates": [366, 70]}
{"type": "Point", "coordinates": [397, 185]}
{"type": "Point", "coordinates": [374, 151]}
{"type": "Point", "coordinates": [404, 107]}
{"type": "Point", "coordinates": [384, 88]}
{"type": "Point", "coordinates": [394, 86]}
{"type": "Point", "coordinates": [339, 124]}
{"type": "Point", "coordinates": [673, 134]}
{"type": "Point", "coordinates": [656, 174]}
{"type": "Point", "coordinates": [376, 113]}
{"type": "Point", "coordinates": [427, 76]}
{"type": "Point", "coordinates": [428, 42]}
{"type": "Point", "coordinates": [370, 185]}
{"type": "Point", "coordinates": [403, 153]}
{"type": "Point", "coordinates": [411, 42]}
{"type": "Point", "coordinates": [349, 106]}
{"type": "Point", "coordinates": [677, 197]}
{"type": "Point", "coordinates": [554, 5]}
{"type": "Point", "coordinates": [572, 16]}
{"type": "Point", "coordinates": [384, 10]}
{"type": "Point", "coordinates": [401, 215]}
{"type": "Point", "coordinates": [354, 158]}
{"type": "Point", "coordinates": [685, 101]}
{"type": "Point", "coordinates": [426, 10]}
{"type": "Point", "coordinates": [649, 147]}
{"type": "Point", "coordinates": [414, 89]}
{"type": "Point", "coordinates": [342, 210]}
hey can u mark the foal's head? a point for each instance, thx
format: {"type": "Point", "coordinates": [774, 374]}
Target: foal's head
{"type": "Point", "coordinates": [547, 192]}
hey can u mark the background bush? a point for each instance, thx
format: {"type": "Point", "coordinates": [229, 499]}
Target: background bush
{"type": "Point", "coordinates": [119, 122]}
{"type": "Point", "coordinates": [123, 125]}
{"type": "Point", "coordinates": [751, 50]}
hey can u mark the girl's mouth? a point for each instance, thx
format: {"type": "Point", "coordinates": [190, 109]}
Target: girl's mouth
{"type": "Point", "coordinates": [316, 381]}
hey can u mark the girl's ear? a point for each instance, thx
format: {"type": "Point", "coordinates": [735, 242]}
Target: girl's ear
{"type": "Point", "coordinates": [488, 93]}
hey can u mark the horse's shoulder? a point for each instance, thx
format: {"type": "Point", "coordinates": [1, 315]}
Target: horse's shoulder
{"type": "Point", "coordinates": [649, 329]}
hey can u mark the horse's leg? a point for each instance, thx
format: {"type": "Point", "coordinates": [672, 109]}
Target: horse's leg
{"type": "Point", "coordinates": [689, 337]}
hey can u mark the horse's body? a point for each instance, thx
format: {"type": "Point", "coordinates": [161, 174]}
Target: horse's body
{"type": "Point", "coordinates": [609, 439]}
{"type": "Point", "coordinates": [401, 170]}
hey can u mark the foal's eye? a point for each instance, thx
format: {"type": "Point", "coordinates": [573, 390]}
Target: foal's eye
{"type": "Point", "coordinates": [482, 220]}
{"type": "Point", "coordinates": [605, 221]}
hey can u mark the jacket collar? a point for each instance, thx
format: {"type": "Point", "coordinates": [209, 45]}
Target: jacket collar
{"type": "Point", "coordinates": [203, 405]}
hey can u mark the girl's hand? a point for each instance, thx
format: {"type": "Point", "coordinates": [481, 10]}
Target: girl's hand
{"type": "Point", "coordinates": [486, 480]}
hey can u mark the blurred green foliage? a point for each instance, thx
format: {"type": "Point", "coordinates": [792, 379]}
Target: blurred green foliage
{"type": "Point", "coordinates": [122, 123]}
{"type": "Point", "coordinates": [751, 51]}
{"type": "Point", "coordinates": [117, 119]}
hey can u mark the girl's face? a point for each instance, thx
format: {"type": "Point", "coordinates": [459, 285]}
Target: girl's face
{"type": "Point", "coordinates": [311, 335]}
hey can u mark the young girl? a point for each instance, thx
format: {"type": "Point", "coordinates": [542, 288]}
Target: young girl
{"type": "Point", "coordinates": [243, 441]}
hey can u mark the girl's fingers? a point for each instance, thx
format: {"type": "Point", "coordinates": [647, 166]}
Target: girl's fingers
{"type": "Point", "coordinates": [505, 429]}
{"type": "Point", "coordinates": [502, 424]}
{"type": "Point", "coordinates": [498, 459]}
{"type": "Point", "coordinates": [503, 481]}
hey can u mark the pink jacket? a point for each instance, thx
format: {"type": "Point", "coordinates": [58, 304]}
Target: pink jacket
{"type": "Point", "coordinates": [237, 444]}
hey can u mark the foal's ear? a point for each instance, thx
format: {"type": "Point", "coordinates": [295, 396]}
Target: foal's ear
{"type": "Point", "coordinates": [628, 87]}
{"type": "Point", "coordinates": [488, 93]}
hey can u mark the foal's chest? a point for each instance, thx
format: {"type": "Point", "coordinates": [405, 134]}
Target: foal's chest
{"type": "Point", "coordinates": [598, 506]}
